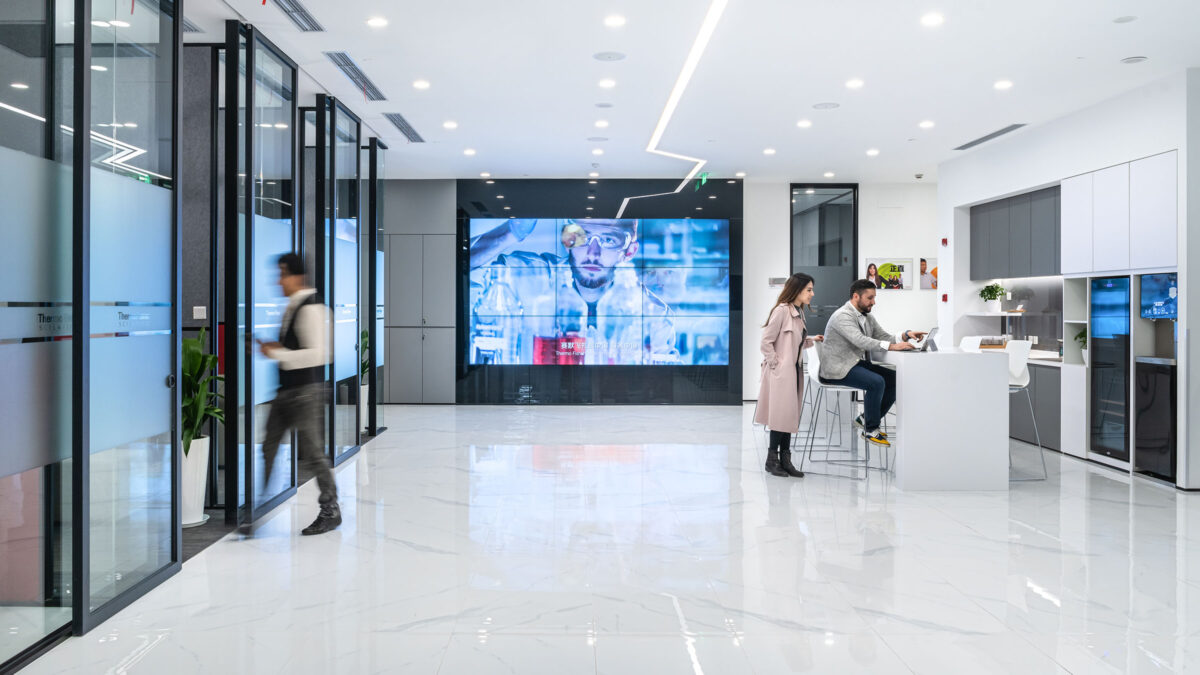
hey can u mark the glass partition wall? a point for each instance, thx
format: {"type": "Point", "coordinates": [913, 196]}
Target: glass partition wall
{"type": "Point", "coordinates": [89, 458]}
{"type": "Point", "coordinates": [825, 244]}
{"type": "Point", "coordinates": [330, 136]}
{"type": "Point", "coordinates": [260, 225]}
{"type": "Point", "coordinates": [373, 288]}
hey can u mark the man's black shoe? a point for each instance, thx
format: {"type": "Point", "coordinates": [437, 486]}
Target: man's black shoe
{"type": "Point", "coordinates": [327, 521]}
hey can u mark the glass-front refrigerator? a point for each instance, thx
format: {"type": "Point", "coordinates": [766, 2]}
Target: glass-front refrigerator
{"type": "Point", "coordinates": [1108, 348]}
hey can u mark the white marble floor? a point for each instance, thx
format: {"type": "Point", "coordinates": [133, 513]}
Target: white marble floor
{"type": "Point", "coordinates": [648, 540]}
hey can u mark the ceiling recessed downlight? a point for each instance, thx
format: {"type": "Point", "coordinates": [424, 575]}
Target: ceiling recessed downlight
{"type": "Point", "coordinates": [377, 22]}
{"type": "Point", "coordinates": [712, 196]}
{"type": "Point", "coordinates": [1125, 19]}
{"type": "Point", "coordinates": [740, 174]}
{"type": "Point", "coordinates": [592, 182]}
{"type": "Point", "coordinates": [932, 20]}
{"type": "Point", "coordinates": [597, 139]}
{"type": "Point", "coordinates": [499, 196]}
{"type": "Point", "coordinates": [768, 151]}
{"type": "Point", "coordinates": [450, 124]}
{"type": "Point", "coordinates": [490, 182]}
{"type": "Point", "coordinates": [804, 124]}
{"type": "Point", "coordinates": [508, 208]}
{"type": "Point", "coordinates": [1134, 59]}
{"type": "Point", "coordinates": [469, 152]}
{"type": "Point", "coordinates": [593, 175]}
{"type": "Point", "coordinates": [484, 174]}
{"type": "Point", "coordinates": [854, 83]}
{"type": "Point", "coordinates": [601, 124]}
{"type": "Point", "coordinates": [607, 83]}
{"type": "Point", "coordinates": [1003, 85]}
{"type": "Point", "coordinates": [589, 208]}
{"type": "Point", "coordinates": [827, 105]}
{"type": "Point", "coordinates": [591, 196]}
{"type": "Point", "coordinates": [614, 21]}
{"type": "Point", "coordinates": [604, 105]}
{"type": "Point", "coordinates": [597, 151]}
{"type": "Point", "coordinates": [420, 84]}
{"type": "Point", "coordinates": [828, 174]}
{"type": "Point", "coordinates": [699, 208]}
{"type": "Point", "coordinates": [872, 152]}
{"type": "Point", "coordinates": [19, 85]}
{"type": "Point", "coordinates": [731, 182]}
{"type": "Point", "coordinates": [608, 56]}
{"type": "Point", "coordinates": [926, 124]}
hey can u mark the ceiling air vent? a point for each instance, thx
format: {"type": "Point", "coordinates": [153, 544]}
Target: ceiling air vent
{"type": "Point", "coordinates": [364, 84]}
{"type": "Point", "coordinates": [189, 27]}
{"type": "Point", "coordinates": [405, 128]}
{"type": "Point", "coordinates": [300, 16]}
{"type": "Point", "coordinates": [985, 139]}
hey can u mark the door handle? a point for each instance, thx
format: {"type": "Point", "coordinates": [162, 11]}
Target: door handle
{"type": "Point", "coordinates": [170, 382]}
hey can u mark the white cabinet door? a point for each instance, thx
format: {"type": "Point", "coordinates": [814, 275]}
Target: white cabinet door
{"type": "Point", "coordinates": [1153, 211]}
{"type": "Point", "coordinates": [1073, 439]}
{"type": "Point", "coordinates": [1076, 224]}
{"type": "Point", "coordinates": [1110, 219]}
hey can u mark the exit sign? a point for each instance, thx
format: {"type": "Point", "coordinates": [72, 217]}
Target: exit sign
{"type": "Point", "coordinates": [701, 180]}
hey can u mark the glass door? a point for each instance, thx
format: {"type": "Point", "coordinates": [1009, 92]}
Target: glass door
{"type": "Point", "coordinates": [1108, 352]}
{"type": "Point", "coordinates": [374, 287]}
{"type": "Point", "coordinates": [261, 226]}
{"type": "Point", "coordinates": [342, 259]}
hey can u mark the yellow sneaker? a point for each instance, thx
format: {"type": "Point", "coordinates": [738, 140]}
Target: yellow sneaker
{"type": "Point", "coordinates": [877, 437]}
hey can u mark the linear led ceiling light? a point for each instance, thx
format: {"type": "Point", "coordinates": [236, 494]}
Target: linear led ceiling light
{"type": "Point", "coordinates": [685, 76]}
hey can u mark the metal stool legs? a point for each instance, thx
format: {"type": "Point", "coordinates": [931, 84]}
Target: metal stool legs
{"type": "Point", "coordinates": [1037, 435]}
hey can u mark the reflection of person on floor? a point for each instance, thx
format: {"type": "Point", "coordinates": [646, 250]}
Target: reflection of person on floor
{"type": "Point", "coordinates": [302, 354]}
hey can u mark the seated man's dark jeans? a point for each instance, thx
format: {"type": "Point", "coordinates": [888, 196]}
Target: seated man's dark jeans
{"type": "Point", "coordinates": [878, 383]}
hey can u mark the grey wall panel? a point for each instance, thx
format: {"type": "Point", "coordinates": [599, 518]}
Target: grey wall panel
{"type": "Point", "coordinates": [420, 207]}
{"type": "Point", "coordinates": [438, 366]}
{"type": "Point", "coordinates": [403, 296]}
{"type": "Point", "coordinates": [403, 369]}
{"type": "Point", "coordinates": [438, 280]}
{"type": "Point", "coordinates": [1043, 210]}
{"type": "Point", "coordinates": [1020, 420]}
{"type": "Point", "coordinates": [196, 188]}
{"type": "Point", "coordinates": [977, 243]}
{"type": "Point", "coordinates": [1048, 403]}
{"type": "Point", "coordinates": [1019, 237]}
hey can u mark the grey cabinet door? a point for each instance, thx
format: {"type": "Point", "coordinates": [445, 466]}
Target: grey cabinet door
{"type": "Point", "coordinates": [1044, 256]}
{"type": "Point", "coordinates": [404, 365]}
{"type": "Point", "coordinates": [1019, 237]}
{"type": "Point", "coordinates": [997, 229]}
{"type": "Point", "coordinates": [978, 242]}
{"type": "Point", "coordinates": [1020, 420]}
{"type": "Point", "coordinates": [403, 295]}
{"type": "Point", "coordinates": [438, 285]}
{"type": "Point", "coordinates": [437, 384]}
{"type": "Point", "coordinates": [1048, 404]}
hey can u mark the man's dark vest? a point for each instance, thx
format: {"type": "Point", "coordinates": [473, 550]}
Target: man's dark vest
{"type": "Point", "coordinates": [290, 339]}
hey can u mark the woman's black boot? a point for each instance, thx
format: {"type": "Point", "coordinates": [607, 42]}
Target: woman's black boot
{"type": "Point", "coordinates": [773, 465]}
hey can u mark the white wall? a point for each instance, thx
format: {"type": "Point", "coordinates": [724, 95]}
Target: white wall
{"type": "Point", "coordinates": [894, 220]}
{"type": "Point", "coordinates": [899, 220]}
{"type": "Point", "coordinates": [1140, 123]}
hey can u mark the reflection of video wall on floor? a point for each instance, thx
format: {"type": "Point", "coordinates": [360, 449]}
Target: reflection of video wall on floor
{"type": "Point", "coordinates": [558, 291]}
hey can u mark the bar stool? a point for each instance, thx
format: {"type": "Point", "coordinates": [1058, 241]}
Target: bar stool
{"type": "Point", "coordinates": [814, 381]}
{"type": "Point", "coordinates": [1018, 381]}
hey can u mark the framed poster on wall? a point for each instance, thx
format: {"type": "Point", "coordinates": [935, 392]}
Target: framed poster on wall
{"type": "Point", "coordinates": [927, 271]}
{"type": "Point", "coordinates": [890, 273]}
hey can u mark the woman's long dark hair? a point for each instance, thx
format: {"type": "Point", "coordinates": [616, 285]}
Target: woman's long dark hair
{"type": "Point", "coordinates": [794, 286]}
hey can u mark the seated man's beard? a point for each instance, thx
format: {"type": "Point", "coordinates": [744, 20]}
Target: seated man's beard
{"type": "Point", "coordinates": [600, 281]}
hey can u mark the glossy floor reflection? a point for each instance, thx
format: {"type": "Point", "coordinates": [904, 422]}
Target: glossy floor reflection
{"type": "Point", "coordinates": [649, 540]}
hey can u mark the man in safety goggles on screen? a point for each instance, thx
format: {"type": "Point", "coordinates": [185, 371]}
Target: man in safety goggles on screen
{"type": "Point", "coordinates": [593, 292]}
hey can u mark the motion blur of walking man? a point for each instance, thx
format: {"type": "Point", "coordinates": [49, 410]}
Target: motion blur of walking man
{"type": "Point", "coordinates": [303, 353]}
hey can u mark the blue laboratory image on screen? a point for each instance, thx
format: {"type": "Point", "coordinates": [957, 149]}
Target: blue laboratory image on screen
{"type": "Point", "coordinates": [561, 291]}
{"type": "Point", "coordinates": [1160, 296]}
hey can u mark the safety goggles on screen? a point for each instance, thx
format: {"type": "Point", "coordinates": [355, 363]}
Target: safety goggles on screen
{"type": "Point", "coordinates": [574, 235]}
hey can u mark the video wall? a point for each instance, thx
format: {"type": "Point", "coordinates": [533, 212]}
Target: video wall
{"type": "Point", "coordinates": [562, 291]}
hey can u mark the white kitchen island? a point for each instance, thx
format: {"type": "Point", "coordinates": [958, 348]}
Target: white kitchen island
{"type": "Point", "coordinates": [951, 419]}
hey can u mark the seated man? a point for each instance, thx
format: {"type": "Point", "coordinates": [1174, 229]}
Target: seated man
{"type": "Point", "coordinates": [850, 336]}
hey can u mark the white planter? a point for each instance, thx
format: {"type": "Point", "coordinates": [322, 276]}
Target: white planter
{"type": "Point", "coordinates": [362, 405]}
{"type": "Point", "coordinates": [994, 306]}
{"type": "Point", "coordinates": [195, 473]}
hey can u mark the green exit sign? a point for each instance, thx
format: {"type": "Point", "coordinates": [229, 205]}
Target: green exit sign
{"type": "Point", "coordinates": [701, 180]}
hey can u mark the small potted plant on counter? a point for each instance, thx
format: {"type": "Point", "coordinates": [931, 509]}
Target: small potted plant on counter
{"type": "Point", "coordinates": [1081, 340]}
{"type": "Point", "coordinates": [991, 294]}
{"type": "Point", "coordinates": [199, 405]}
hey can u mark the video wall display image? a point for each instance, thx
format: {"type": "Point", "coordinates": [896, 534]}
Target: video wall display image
{"type": "Point", "coordinates": [561, 291]}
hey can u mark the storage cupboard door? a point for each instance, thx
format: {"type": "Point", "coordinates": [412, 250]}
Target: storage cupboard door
{"type": "Point", "coordinates": [1076, 222]}
{"type": "Point", "coordinates": [1020, 227]}
{"type": "Point", "coordinates": [404, 365]}
{"type": "Point", "coordinates": [978, 242]}
{"type": "Point", "coordinates": [1110, 219]}
{"type": "Point", "coordinates": [998, 229]}
{"type": "Point", "coordinates": [438, 286]}
{"type": "Point", "coordinates": [437, 384]}
{"type": "Point", "coordinates": [1043, 233]}
{"type": "Point", "coordinates": [1047, 401]}
{"type": "Point", "coordinates": [1153, 211]}
{"type": "Point", "coordinates": [403, 297]}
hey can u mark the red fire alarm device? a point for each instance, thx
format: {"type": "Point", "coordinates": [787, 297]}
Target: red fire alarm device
{"type": "Point", "coordinates": [945, 241]}
{"type": "Point", "coordinates": [945, 297]}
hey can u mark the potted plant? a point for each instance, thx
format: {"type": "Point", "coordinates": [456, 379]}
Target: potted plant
{"type": "Point", "coordinates": [1081, 340]}
{"type": "Point", "coordinates": [992, 294]}
{"type": "Point", "coordinates": [197, 373]}
{"type": "Point", "coordinates": [364, 388]}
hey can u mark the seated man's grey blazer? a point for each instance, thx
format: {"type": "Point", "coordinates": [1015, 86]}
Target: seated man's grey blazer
{"type": "Point", "coordinates": [845, 341]}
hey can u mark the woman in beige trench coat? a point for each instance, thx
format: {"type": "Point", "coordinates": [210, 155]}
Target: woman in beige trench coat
{"type": "Point", "coordinates": [782, 388]}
